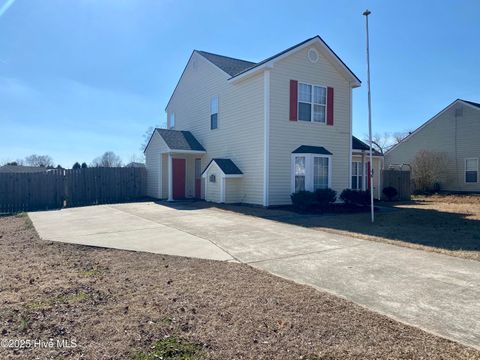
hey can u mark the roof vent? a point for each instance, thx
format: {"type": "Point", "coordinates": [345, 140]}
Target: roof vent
{"type": "Point", "coordinates": [459, 112]}
{"type": "Point", "coordinates": [313, 55]}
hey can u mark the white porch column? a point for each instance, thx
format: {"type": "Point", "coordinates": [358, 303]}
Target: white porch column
{"type": "Point", "coordinates": [364, 180]}
{"type": "Point", "coordinates": [170, 176]}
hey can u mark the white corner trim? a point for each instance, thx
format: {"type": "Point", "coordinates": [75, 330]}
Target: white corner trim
{"type": "Point", "coordinates": [351, 143]}
{"type": "Point", "coordinates": [222, 189]}
{"type": "Point", "coordinates": [170, 178]}
{"type": "Point", "coordinates": [266, 137]}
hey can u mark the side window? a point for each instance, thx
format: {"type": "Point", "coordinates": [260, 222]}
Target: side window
{"type": "Point", "coordinates": [471, 170]}
{"type": "Point", "coordinates": [299, 173]}
{"type": "Point", "coordinates": [172, 121]}
{"type": "Point", "coordinates": [214, 112]}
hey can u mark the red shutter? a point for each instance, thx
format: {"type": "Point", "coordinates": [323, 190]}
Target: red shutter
{"type": "Point", "coordinates": [293, 99]}
{"type": "Point", "coordinates": [329, 106]}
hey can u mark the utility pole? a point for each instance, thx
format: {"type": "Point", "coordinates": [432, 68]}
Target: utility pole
{"type": "Point", "coordinates": [366, 13]}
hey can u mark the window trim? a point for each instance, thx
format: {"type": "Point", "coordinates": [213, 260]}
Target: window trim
{"type": "Point", "coordinates": [465, 171]}
{"type": "Point", "coordinates": [362, 175]}
{"type": "Point", "coordinates": [214, 113]}
{"type": "Point", "coordinates": [170, 116]}
{"type": "Point", "coordinates": [311, 102]}
{"type": "Point", "coordinates": [309, 170]}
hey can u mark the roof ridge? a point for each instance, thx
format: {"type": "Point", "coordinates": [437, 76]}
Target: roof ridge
{"type": "Point", "coordinates": [470, 102]}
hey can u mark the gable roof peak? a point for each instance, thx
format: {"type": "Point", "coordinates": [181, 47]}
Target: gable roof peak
{"type": "Point", "coordinates": [232, 66]}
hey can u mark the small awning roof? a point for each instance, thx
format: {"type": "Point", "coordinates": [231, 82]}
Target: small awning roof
{"type": "Point", "coordinates": [307, 149]}
{"type": "Point", "coordinates": [227, 166]}
{"type": "Point", "coordinates": [180, 140]}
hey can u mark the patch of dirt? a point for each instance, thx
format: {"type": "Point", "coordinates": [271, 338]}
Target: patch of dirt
{"type": "Point", "coordinates": [121, 304]}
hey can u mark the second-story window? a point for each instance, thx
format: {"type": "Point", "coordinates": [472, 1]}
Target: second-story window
{"type": "Point", "coordinates": [172, 120]}
{"type": "Point", "coordinates": [214, 112]}
{"type": "Point", "coordinates": [312, 103]}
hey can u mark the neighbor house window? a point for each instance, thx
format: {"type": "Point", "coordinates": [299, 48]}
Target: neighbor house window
{"type": "Point", "coordinates": [214, 112]}
{"type": "Point", "coordinates": [357, 175]}
{"type": "Point", "coordinates": [471, 170]}
{"type": "Point", "coordinates": [172, 120]}
{"type": "Point", "coordinates": [320, 173]}
{"type": "Point", "coordinates": [213, 178]}
{"type": "Point", "coordinates": [299, 173]}
{"type": "Point", "coordinates": [310, 172]}
{"type": "Point", "coordinates": [312, 103]}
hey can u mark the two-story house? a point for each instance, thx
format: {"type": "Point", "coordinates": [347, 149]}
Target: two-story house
{"type": "Point", "coordinates": [245, 132]}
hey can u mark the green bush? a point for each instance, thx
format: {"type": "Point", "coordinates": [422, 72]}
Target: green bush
{"type": "Point", "coordinates": [390, 192]}
{"type": "Point", "coordinates": [303, 200]}
{"type": "Point", "coordinates": [355, 197]}
{"type": "Point", "coordinates": [325, 197]}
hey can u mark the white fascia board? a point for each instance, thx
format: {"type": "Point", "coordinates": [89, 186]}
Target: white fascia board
{"type": "Point", "coordinates": [269, 64]}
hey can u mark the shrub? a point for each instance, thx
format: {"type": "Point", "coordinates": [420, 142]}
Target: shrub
{"type": "Point", "coordinates": [324, 197]}
{"type": "Point", "coordinates": [303, 200]}
{"type": "Point", "coordinates": [355, 197]}
{"type": "Point", "coordinates": [428, 168]}
{"type": "Point", "coordinates": [390, 192]}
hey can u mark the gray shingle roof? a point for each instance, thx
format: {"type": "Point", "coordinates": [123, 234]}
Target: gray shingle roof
{"type": "Point", "coordinates": [226, 165]}
{"type": "Point", "coordinates": [471, 103]}
{"type": "Point", "coordinates": [358, 144]}
{"type": "Point", "coordinates": [230, 65]}
{"type": "Point", "coordinates": [307, 149]}
{"type": "Point", "coordinates": [180, 140]}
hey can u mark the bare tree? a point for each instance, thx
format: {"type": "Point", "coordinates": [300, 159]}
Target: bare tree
{"type": "Point", "coordinates": [428, 169]}
{"type": "Point", "coordinates": [146, 137]}
{"type": "Point", "coordinates": [380, 142]}
{"type": "Point", "coordinates": [399, 136]}
{"type": "Point", "coordinates": [39, 160]}
{"type": "Point", "coordinates": [109, 159]}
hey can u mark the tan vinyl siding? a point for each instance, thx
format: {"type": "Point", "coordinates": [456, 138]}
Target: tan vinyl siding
{"type": "Point", "coordinates": [457, 137]}
{"type": "Point", "coordinates": [233, 190]}
{"type": "Point", "coordinates": [239, 135]}
{"type": "Point", "coordinates": [286, 136]}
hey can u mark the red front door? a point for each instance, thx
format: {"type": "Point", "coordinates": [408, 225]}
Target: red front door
{"type": "Point", "coordinates": [178, 178]}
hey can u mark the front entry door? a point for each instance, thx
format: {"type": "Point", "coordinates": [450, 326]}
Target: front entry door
{"type": "Point", "coordinates": [178, 178]}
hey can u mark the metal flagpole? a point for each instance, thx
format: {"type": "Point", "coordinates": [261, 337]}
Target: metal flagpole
{"type": "Point", "coordinates": [366, 13]}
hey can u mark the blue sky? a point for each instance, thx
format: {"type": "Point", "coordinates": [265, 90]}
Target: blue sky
{"type": "Point", "coordinates": [80, 77]}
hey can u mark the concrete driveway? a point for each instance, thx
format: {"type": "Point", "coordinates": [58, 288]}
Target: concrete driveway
{"type": "Point", "coordinates": [435, 292]}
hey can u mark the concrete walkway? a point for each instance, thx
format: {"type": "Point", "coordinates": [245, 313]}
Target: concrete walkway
{"type": "Point", "coordinates": [438, 293]}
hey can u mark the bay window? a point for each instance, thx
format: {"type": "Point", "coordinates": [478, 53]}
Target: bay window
{"type": "Point", "coordinates": [311, 172]}
{"type": "Point", "coordinates": [299, 173]}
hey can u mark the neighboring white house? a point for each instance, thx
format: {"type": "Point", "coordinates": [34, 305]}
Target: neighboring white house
{"type": "Point", "coordinates": [247, 132]}
{"type": "Point", "coordinates": [455, 132]}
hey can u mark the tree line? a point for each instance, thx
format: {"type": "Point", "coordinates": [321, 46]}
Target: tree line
{"type": "Point", "coordinates": [107, 159]}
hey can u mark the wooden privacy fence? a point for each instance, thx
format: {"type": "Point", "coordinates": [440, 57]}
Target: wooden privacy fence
{"type": "Point", "coordinates": [400, 180]}
{"type": "Point", "coordinates": [55, 189]}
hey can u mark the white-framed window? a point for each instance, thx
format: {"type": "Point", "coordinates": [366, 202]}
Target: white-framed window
{"type": "Point", "coordinates": [471, 170]}
{"type": "Point", "coordinates": [312, 103]}
{"type": "Point", "coordinates": [357, 175]}
{"type": "Point", "coordinates": [320, 172]}
{"type": "Point", "coordinates": [213, 112]}
{"type": "Point", "coordinates": [171, 123]}
{"type": "Point", "coordinates": [311, 172]}
{"type": "Point", "coordinates": [299, 172]}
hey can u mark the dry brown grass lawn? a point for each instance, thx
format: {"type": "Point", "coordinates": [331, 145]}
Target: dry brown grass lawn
{"type": "Point", "coordinates": [448, 224]}
{"type": "Point", "coordinates": [119, 305]}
